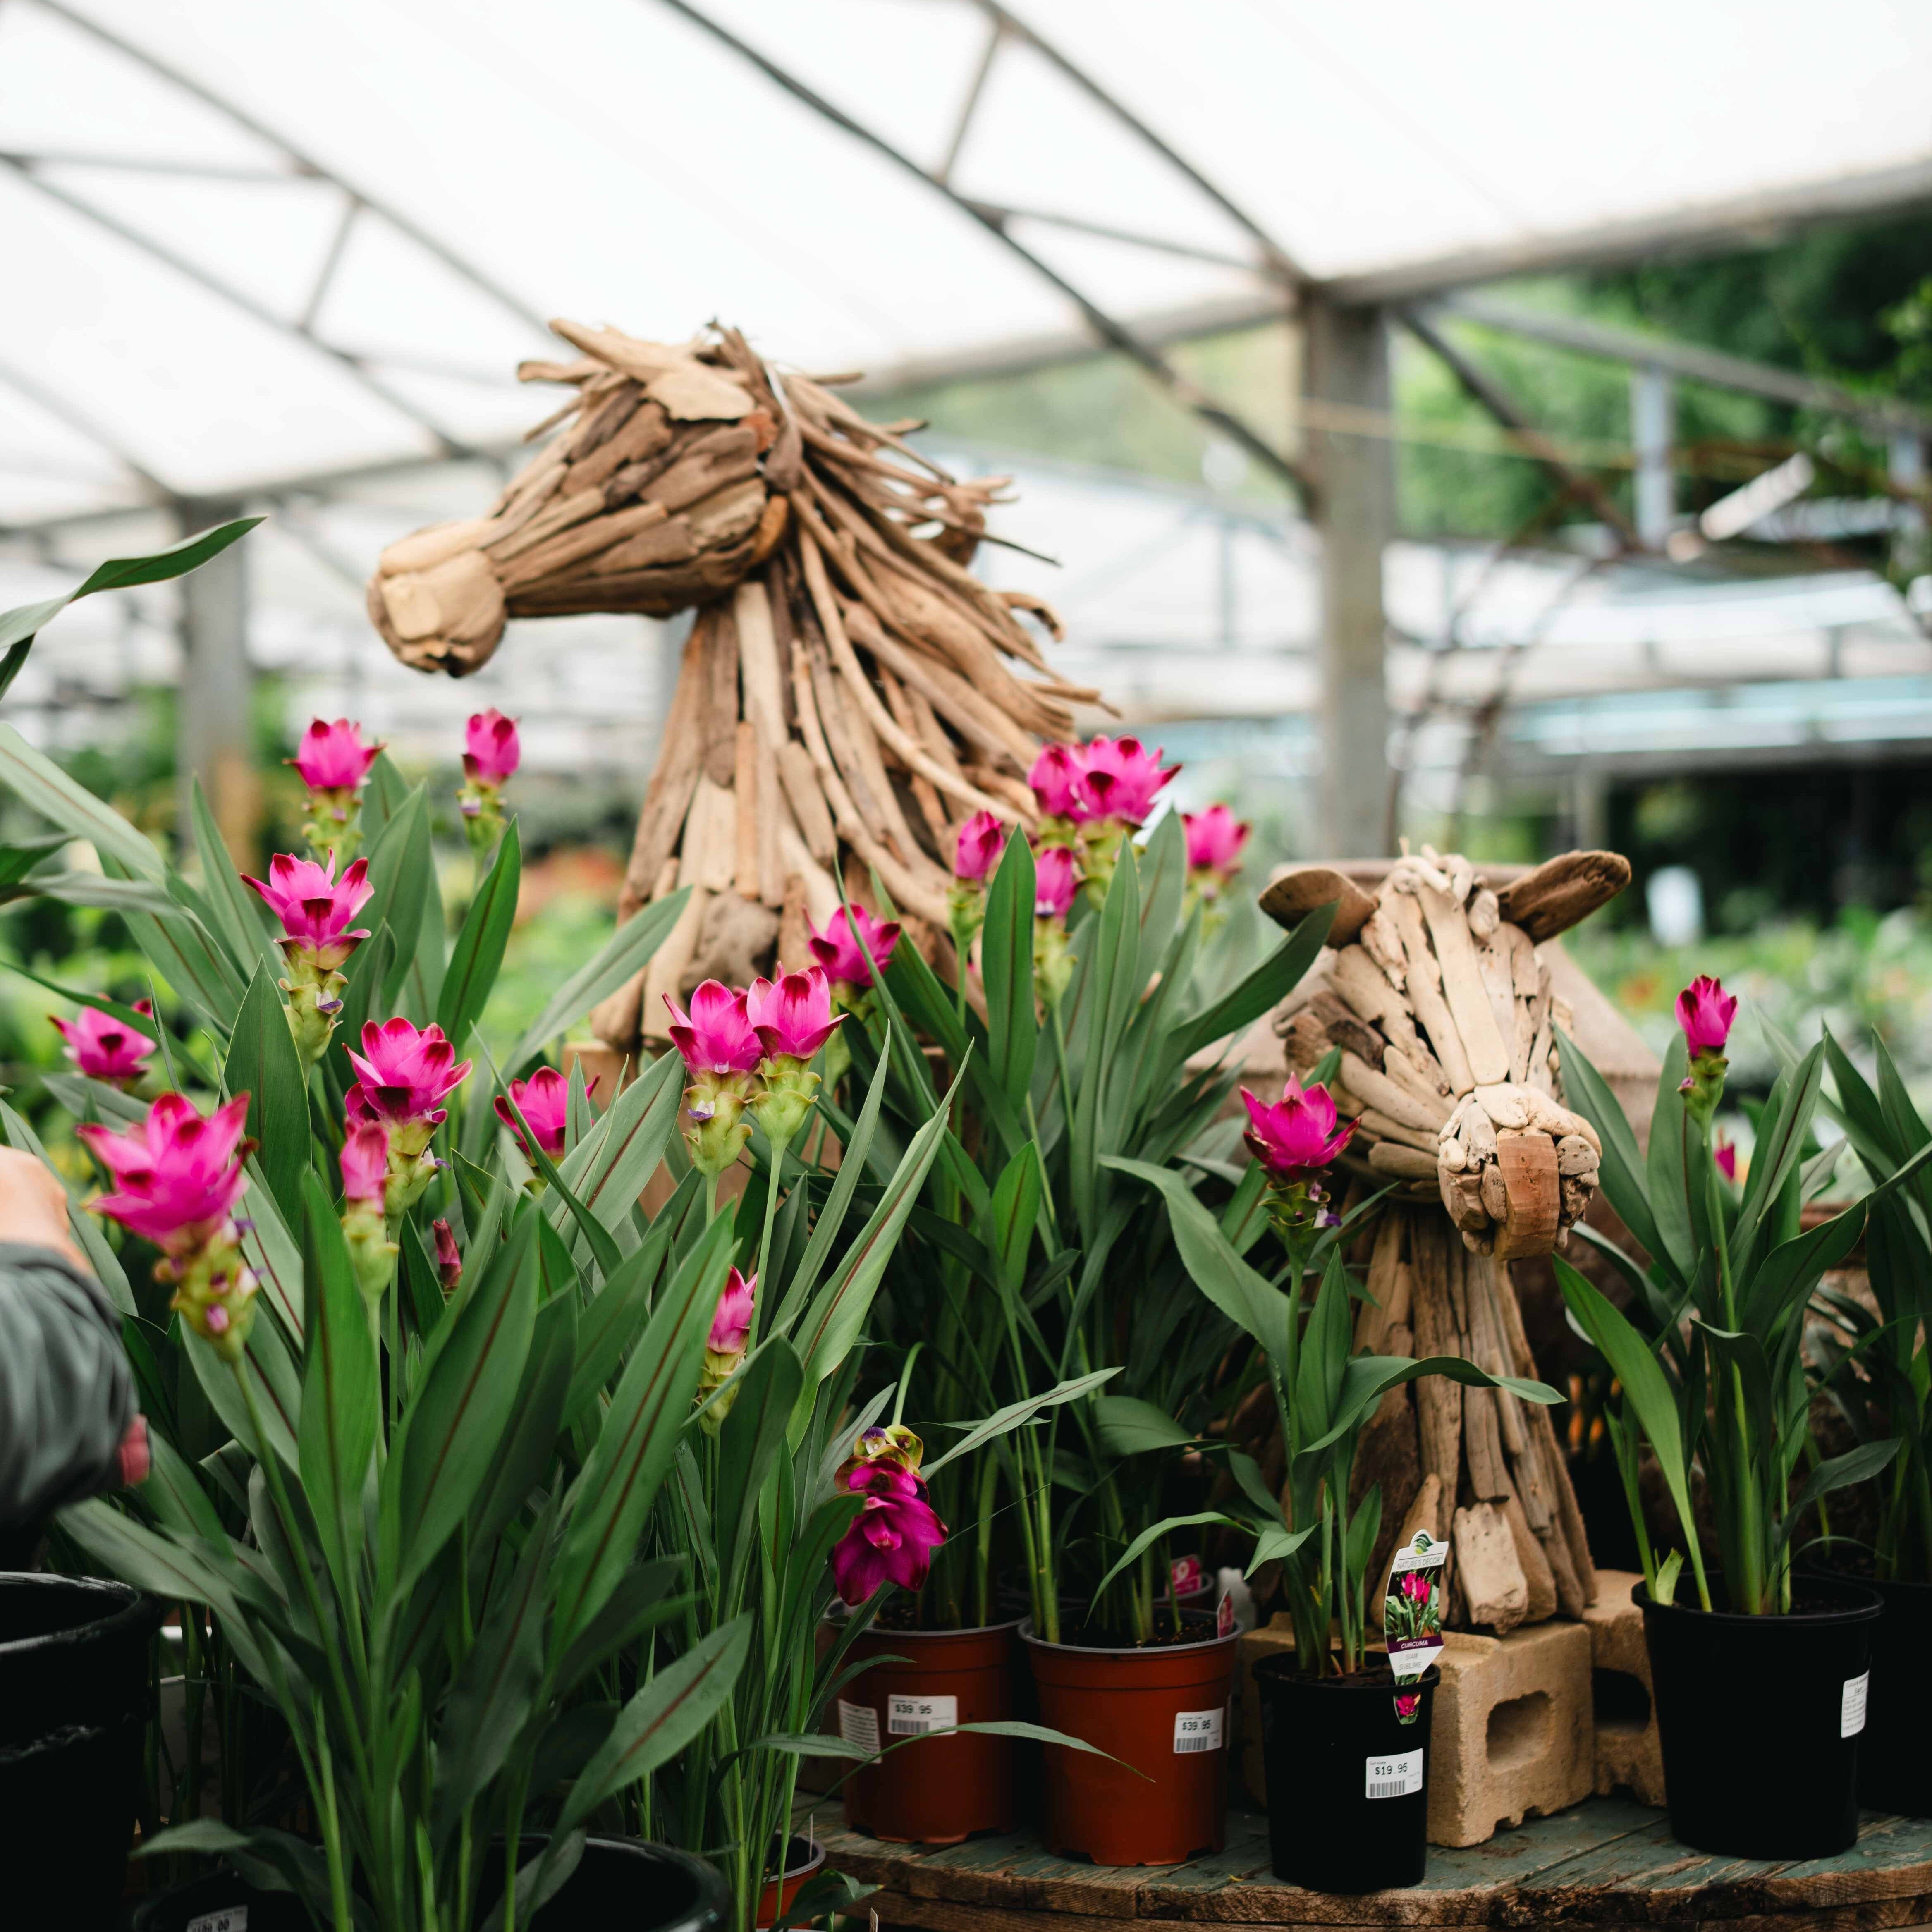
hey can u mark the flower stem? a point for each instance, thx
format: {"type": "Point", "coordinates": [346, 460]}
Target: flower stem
{"type": "Point", "coordinates": [765, 1235]}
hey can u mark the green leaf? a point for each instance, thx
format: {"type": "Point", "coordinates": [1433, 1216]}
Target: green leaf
{"type": "Point", "coordinates": [1156, 1532]}
{"type": "Point", "coordinates": [628, 950]}
{"type": "Point", "coordinates": [1264, 989]}
{"type": "Point", "coordinates": [402, 875]}
{"type": "Point", "coordinates": [94, 889]}
{"type": "Point", "coordinates": [615, 1318]}
{"type": "Point", "coordinates": [40, 784]}
{"type": "Point", "coordinates": [234, 909]}
{"type": "Point", "coordinates": [1017, 1199]}
{"type": "Point", "coordinates": [1016, 1414]}
{"type": "Point", "coordinates": [262, 1064]}
{"type": "Point", "coordinates": [1780, 1146]}
{"type": "Point", "coordinates": [1006, 962]}
{"type": "Point", "coordinates": [662, 1718]}
{"type": "Point", "coordinates": [607, 1171]}
{"type": "Point", "coordinates": [1622, 1172]}
{"type": "Point", "coordinates": [1366, 1379]}
{"type": "Point", "coordinates": [340, 1391]}
{"type": "Point", "coordinates": [752, 1439]}
{"type": "Point", "coordinates": [1127, 1426]}
{"type": "Point", "coordinates": [1838, 1472]}
{"type": "Point", "coordinates": [361, 1000]}
{"type": "Point", "coordinates": [479, 952]}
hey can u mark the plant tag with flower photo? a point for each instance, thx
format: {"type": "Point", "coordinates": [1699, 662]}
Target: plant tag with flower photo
{"type": "Point", "coordinates": [914, 1716]}
{"type": "Point", "coordinates": [858, 1724]}
{"type": "Point", "coordinates": [1196, 1731]}
{"type": "Point", "coordinates": [1224, 1615]}
{"type": "Point", "coordinates": [1186, 1577]}
{"type": "Point", "coordinates": [1412, 1613]}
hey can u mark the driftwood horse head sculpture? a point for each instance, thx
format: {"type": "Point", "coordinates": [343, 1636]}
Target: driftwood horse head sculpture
{"type": "Point", "coordinates": [849, 690]}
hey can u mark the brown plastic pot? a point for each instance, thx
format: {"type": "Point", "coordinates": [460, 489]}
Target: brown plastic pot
{"type": "Point", "coordinates": [940, 1790]}
{"type": "Point", "coordinates": [1163, 1711]}
{"type": "Point", "coordinates": [805, 1857]}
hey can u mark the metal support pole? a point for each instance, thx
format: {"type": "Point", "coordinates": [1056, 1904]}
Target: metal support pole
{"type": "Point", "coordinates": [1346, 365]}
{"type": "Point", "coordinates": [1653, 409]}
{"type": "Point", "coordinates": [215, 734]}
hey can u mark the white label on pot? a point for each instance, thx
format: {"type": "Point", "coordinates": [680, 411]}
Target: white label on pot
{"type": "Point", "coordinates": [858, 1724]}
{"type": "Point", "coordinates": [1852, 1705]}
{"type": "Point", "coordinates": [1395, 1776]}
{"type": "Point", "coordinates": [1197, 1731]}
{"type": "Point", "coordinates": [914, 1716]}
{"type": "Point", "coordinates": [234, 1919]}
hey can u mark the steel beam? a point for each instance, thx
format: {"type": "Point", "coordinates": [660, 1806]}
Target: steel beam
{"type": "Point", "coordinates": [214, 727]}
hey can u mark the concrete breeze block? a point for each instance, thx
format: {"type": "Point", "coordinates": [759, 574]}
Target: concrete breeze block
{"type": "Point", "coordinates": [1513, 1736]}
{"type": "Point", "coordinates": [1629, 1757]}
{"type": "Point", "coordinates": [1277, 1634]}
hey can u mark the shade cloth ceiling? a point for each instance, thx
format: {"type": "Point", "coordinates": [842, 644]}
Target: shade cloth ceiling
{"type": "Point", "coordinates": [188, 312]}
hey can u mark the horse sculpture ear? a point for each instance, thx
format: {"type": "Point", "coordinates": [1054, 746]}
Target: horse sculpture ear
{"type": "Point", "coordinates": [1291, 897]}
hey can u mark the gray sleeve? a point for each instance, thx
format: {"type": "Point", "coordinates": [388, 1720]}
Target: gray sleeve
{"type": "Point", "coordinates": [66, 1394]}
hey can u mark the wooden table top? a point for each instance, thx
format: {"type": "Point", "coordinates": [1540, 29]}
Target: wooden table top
{"type": "Point", "coordinates": [1605, 1862]}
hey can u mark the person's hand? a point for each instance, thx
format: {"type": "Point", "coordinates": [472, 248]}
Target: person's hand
{"type": "Point", "coordinates": [33, 1207]}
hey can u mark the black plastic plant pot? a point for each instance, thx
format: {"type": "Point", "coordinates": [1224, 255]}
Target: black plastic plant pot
{"type": "Point", "coordinates": [1894, 1765]}
{"type": "Point", "coordinates": [619, 1883]}
{"type": "Point", "coordinates": [1347, 1775]}
{"type": "Point", "coordinates": [74, 1703]}
{"type": "Point", "coordinates": [1760, 1718]}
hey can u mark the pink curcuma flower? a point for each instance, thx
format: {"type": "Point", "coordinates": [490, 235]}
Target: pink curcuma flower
{"type": "Point", "coordinates": [315, 906]}
{"type": "Point", "coordinates": [491, 752]}
{"type": "Point", "coordinates": [544, 1100]}
{"type": "Point", "coordinates": [1415, 1586]}
{"type": "Point", "coordinates": [1059, 782]}
{"type": "Point", "coordinates": [105, 1048]}
{"type": "Point", "coordinates": [333, 757]}
{"type": "Point", "coordinates": [365, 1163]}
{"type": "Point", "coordinates": [176, 1176]}
{"type": "Point", "coordinates": [717, 1035]}
{"type": "Point", "coordinates": [977, 849]}
{"type": "Point", "coordinates": [1055, 882]}
{"type": "Point", "coordinates": [731, 1321]}
{"type": "Point", "coordinates": [403, 1075]}
{"type": "Point", "coordinates": [1215, 838]}
{"type": "Point", "coordinates": [448, 1261]}
{"type": "Point", "coordinates": [1726, 1156]}
{"type": "Point", "coordinates": [793, 1016]}
{"type": "Point", "coordinates": [1300, 1136]}
{"type": "Point", "coordinates": [1122, 778]}
{"type": "Point", "coordinates": [837, 948]}
{"type": "Point", "coordinates": [892, 1539]}
{"type": "Point", "coordinates": [1706, 1011]}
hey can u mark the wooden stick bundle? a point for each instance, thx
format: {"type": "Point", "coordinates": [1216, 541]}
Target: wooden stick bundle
{"type": "Point", "coordinates": [849, 690]}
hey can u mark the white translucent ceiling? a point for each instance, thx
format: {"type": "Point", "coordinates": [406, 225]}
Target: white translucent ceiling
{"type": "Point", "coordinates": [611, 160]}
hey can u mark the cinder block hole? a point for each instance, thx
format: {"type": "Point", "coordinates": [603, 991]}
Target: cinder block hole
{"type": "Point", "coordinates": [1519, 1730]}
{"type": "Point", "coordinates": [1620, 1702]}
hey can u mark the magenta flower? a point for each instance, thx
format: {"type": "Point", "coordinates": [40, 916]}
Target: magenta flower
{"type": "Point", "coordinates": [1215, 838]}
{"type": "Point", "coordinates": [977, 849]}
{"type": "Point", "coordinates": [544, 1100]}
{"type": "Point", "coordinates": [315, 906]}
{"type": "Point", "coordinates": [793, 1018]}
{"type": "Point", "coordinates": [1407, 1703]}
{"type": "Point", "coordinates": [403, 1075]}
{"type": "Point", "coordinates": [1059, 783]}
{"type": "Point", "coordinates": [1706, 1011]}
{"type": "Point", "coordinates": [1053, 882]}
{"type": "Point", "coordinates": [491, 752]}
{"type": "Point", "coordinates": [837, 948]}
{"type": "Point", "coordinates": [1726, 1156]}
{"type": "Point", "coordinates": [1122, 778]}
{"type": "Point", "coordinates": [1415, 1586]}
{"type": "Point", "coordinates": [176, 1175]}
{"type": "Point", "coordinates": [717, 1035]}
{"type": "Point", "coordinates": [333, 757]}
{"type": "Point", "coordinates": [1300, 1136]}
{"type": "Point", "coordinates": [449, 1262]}
{"type": "Point", "coordinates": [365, 1163]}
{"type": "Point", "coordinates": [105, 1048]}
{"type": "Point", "coordinates": [731, 1321]}
{"type": "Point", "coordinates": [892, 1539]}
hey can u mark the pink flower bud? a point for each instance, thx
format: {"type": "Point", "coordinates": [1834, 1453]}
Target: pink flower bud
{"type": "Point", "coordinates": [544, 1100]}
{"type": "Point", "coordinates": [793, 1018]}
{"type": "Point", "coordinates": [449, 1262]}
{"type": "Point", "coordinates": [1215, 838]}
{"type": "Point", "coordinates": [1053, 882]}
{"type": "Point", "coordinates": [837, 948]}
{"type": "Point", "coordinates": [105, 1048]}
{"type": "Point", "coordinates": [1706, 1011]}
{"type": "Point", "coordinates": [1298, 1136]}
{"type": "Point", "coordinates": [365, 1163]}
{"type": "Point", "coordinates": [731, 1322]}
{"type": "Point", "coordinates": [1058, 783]}
{"type": "Point", "coordinates": [977, 850]}
{"type": "Point", "coordinates": [892, 1539]}
{"type": "Point", "coordinates": [717, 1035]}
{"type": "Point", "coordinates": [403, 1075]}
{"type": "Point", "coordinates": [333, 757]}
{"type": "Point", "coordinates": [1726, 1156]}
{"type": "Point", "coordinates": [491, 751]}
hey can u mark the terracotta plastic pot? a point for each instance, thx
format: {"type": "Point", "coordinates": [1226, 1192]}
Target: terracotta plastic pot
{"type": "Point", "coordinates": [941, 1791]}
{"type": "Point", "coordinates": [1347, 1795]}
{"type": "Point", "coordinates": [74, 1703]}
{"type": "Point", "coordinates": [1759, 1718]}
{"type": "Point", "coordinates": [1164, 1712]}
{"type": "Point", "coordinates": [804, 1859]}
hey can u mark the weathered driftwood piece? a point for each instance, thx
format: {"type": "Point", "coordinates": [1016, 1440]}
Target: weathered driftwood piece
{"type": "Point", "coordinates": [850, 688]}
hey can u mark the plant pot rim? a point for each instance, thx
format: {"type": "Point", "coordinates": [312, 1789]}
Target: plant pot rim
{"type": "Point", "coordinates": [1210, 1642]}
{"type": "Point", "coordinates": [1275, 1668]}
{"type": "Point", "coordinates": [1867, 1607]}
{"type": "Point", "coordinates": [1831, 1574]}
{"type": "Point", "coordinates": [131, 1609]}
{"type": "Point", "coordinates": [814, 1858]}
{"type": "Point", "coordinates": [841, 1615]}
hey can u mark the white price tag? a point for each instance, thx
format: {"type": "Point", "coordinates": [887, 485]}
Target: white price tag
{"type": "Point", "coordinates": [235, 1919]}
{"type": "Point", "coordinates": [1395, 1776]}
{"type": "Point", "coordinates": [914, 1716]}
{"type": "Point", "coordinates": [1196, 1731]}
{"type": "Point", "coordinates": [858, 1724]}
{"type": "Point", "coordinates": [1852, 1705]}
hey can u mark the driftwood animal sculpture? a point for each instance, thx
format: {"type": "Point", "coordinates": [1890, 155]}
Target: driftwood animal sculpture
{"type": "Point", "coordinates": [1446, 1023]}
{"type": "Point", "coordinates": [849, 690]}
